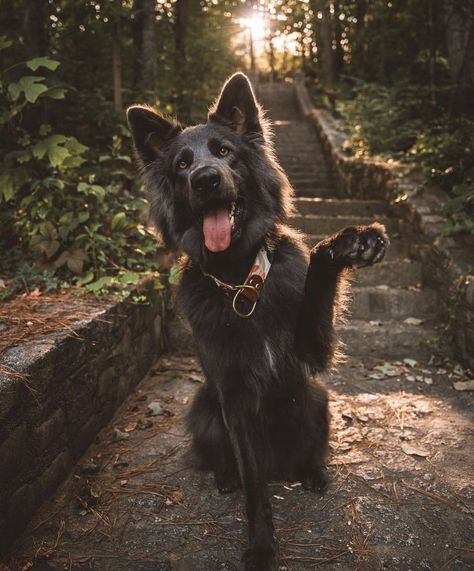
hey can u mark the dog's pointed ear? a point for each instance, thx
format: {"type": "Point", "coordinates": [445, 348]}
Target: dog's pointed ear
{"type": "Point", "coordinates": [237, 107]}
{"type": "Point", "coordinates": [151, 132]}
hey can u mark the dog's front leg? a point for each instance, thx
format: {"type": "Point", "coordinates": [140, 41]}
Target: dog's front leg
{"type": "Point", "coordinates": [247, 438]}
{"type": "Point", "coordinates": [330, 264]}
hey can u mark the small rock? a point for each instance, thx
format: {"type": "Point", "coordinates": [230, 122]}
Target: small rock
{"type": "Point", "coordinates": [410, 362]}
{"type": "Point", "coordinates": [464, 385]}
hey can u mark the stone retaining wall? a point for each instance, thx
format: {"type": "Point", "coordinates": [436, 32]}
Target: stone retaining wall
{"type": "Point", "coordinates": [69, 387]}
{"type": "Point", "coordinates": [448, 263]}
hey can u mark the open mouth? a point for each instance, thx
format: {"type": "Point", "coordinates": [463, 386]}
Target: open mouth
{"type": "Point", "coordinates": [220, 225]}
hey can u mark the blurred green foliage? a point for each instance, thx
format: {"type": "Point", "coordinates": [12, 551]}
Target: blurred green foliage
{"type": "Point", "coordinates": [400, 122]}
{"type": "Point", "coordinates": [73, 213]}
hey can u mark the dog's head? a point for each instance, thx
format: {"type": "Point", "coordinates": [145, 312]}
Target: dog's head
{"type": "Point", "coordinates": [216, 188]}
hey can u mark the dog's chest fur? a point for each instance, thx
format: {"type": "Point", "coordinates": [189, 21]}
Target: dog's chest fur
{"type": "Point", "coordinates": [263, 341]}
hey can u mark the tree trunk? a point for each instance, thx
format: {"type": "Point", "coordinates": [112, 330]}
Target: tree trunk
{"type": "Point", "coordinates": [149, 79]}
{"type": "Point", "coordinates": [339, 51]}
{"type": "Point", "coordinates": [35, 37]}
{"type": "Point", "coordinates": [432, 51]}
{"type": "Point", "coordinates": [459, 20]}
{"type": "Point", "coordinates": [117, 56]}
{"type": "Point", "coordinates": [180, 35]}
{"type": "Point", "coordinates": [271, 57]}
{"type": "Point", "coordinates": [359, 47]}
{"type": "Point", "coordinates": [136, 23]}
{"type": "Point", "coordinates": [327, 55]}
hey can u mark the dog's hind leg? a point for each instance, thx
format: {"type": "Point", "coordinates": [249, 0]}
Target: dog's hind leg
{"type": "Point", "coordinates": [316, 428]}
{"type": "Point", "coordinates": [211, 442]}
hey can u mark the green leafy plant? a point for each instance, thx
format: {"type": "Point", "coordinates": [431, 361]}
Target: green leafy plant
{"type": "Point", "coordinates": [72, 212]}
{"type": "Point", "coordinates": [400, 122]}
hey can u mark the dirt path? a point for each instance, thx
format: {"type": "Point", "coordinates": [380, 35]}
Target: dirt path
{"type": "Point", "coordinates": [401, 493]}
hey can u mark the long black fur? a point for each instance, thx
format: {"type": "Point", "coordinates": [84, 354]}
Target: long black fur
{"type": "Point", "coordinates": [259, 416]}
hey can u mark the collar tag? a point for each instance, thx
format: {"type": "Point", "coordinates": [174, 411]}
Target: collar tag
{"type": "Point", "coordinates": [251, 289]}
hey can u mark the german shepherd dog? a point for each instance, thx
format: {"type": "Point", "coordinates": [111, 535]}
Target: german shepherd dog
{"type": "Point", "coordinates": [262, 308]}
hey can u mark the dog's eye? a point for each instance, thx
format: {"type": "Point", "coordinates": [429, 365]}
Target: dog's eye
{"type": "Point", "coordinates": [182, 164]}
{"type": "Point", "coordinates": [224, 151]}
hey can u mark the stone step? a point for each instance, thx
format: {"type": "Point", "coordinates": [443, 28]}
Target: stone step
{"type": "Point", "coordinates": [307, 158]}
{"type": "Point", "coordinates": [313, 189]}
{"type": "Point", "coordinates": [314, 172]}
{"type": "Point", "coordinates": [318, 192]}
{"type": "Point", "coordinates": [390, 340]}
{"type": "Point", "coordinates": [339, 207]}
{"type": "Point", "coordinates": [398, 247]}
{"type": "Point", "coordinates": [313, 182]}
{"type": "Point", "coordinates": [399, 273]}
{"type": "Point", "coordinates": [383, 302]}
{"type": "Point", "coordinates": [297, 144]}
{"type": "Point", "coordinates": [297, 148]}
{"type": "Point", "coordinates": [313, 224]}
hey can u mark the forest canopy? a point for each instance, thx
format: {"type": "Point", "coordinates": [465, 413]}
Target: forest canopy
{"type": "Point", "coordinates": [399, 73]}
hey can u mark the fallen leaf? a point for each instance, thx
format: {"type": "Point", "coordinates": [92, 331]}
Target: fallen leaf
{"type": "Point", "coordinates": [130, 426]}
{"type": "Point", "coordinates": [375, 376]}
{"type": "Point", "coordinates": [388, 370]}
{"type": "Point", "coordinates": [196, 377]}
{"type": "Point", "coordinates": [413, 321]}
{"type": "Point", "coordinates": [464, 385]}
{"type": "Point", "coordinates": [458, 371]}
{"type": "Point", "coordinates": [346, 415]}
{"type": "Point", "coordinates": [412, 450]}
{"type": "Point", "coordinates": [120, 435]}
{"type": "Point", "coordinates": [35, 293]}
{"type": "Point", "coordinates": [143, 424]}
{"type": "Point", "coordinates": [428, 380]}
{"type": "Point", "coordinates": [123, 482]}
{"type": "Point", "coordinates": [155, 409]}
{"type": "Point", "coordinates": [361, 416]}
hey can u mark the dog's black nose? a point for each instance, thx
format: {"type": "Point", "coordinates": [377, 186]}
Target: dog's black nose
{"type": "Point", "coordinates": [205, 179]}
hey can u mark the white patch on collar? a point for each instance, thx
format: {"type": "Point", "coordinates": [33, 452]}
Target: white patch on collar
{"type": "Point", "coordinates": [270, 357]}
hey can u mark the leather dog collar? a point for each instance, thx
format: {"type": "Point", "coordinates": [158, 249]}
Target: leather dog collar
{"type": "Point", "coordinates": [251, 289]}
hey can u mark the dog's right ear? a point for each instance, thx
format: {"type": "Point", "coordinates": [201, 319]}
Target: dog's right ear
{"type": "Point", "coordinates": [151, 132]}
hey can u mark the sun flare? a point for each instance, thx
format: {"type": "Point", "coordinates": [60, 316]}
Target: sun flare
{"type": "Point", "coordinates": [256, 25]}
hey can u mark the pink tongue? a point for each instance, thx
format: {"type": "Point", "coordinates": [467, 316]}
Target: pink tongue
{"type": "Point", "coordinates": [217, 230]}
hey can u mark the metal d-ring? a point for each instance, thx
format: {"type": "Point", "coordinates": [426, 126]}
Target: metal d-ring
{"type": "Point", "coordinates": [244, 315]}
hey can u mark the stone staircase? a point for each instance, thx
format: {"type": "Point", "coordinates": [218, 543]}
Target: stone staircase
{"type": "Point", "coordinates": [384, 296]}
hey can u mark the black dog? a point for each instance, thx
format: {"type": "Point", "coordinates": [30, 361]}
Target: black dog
{"type": "Point", "coordinates": [261, 307]}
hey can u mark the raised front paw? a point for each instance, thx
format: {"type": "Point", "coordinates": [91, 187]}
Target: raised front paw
{"type": "Point", "coordinates": [260, 559]}
{"type": "Point", "coordinates": [359, 246]}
